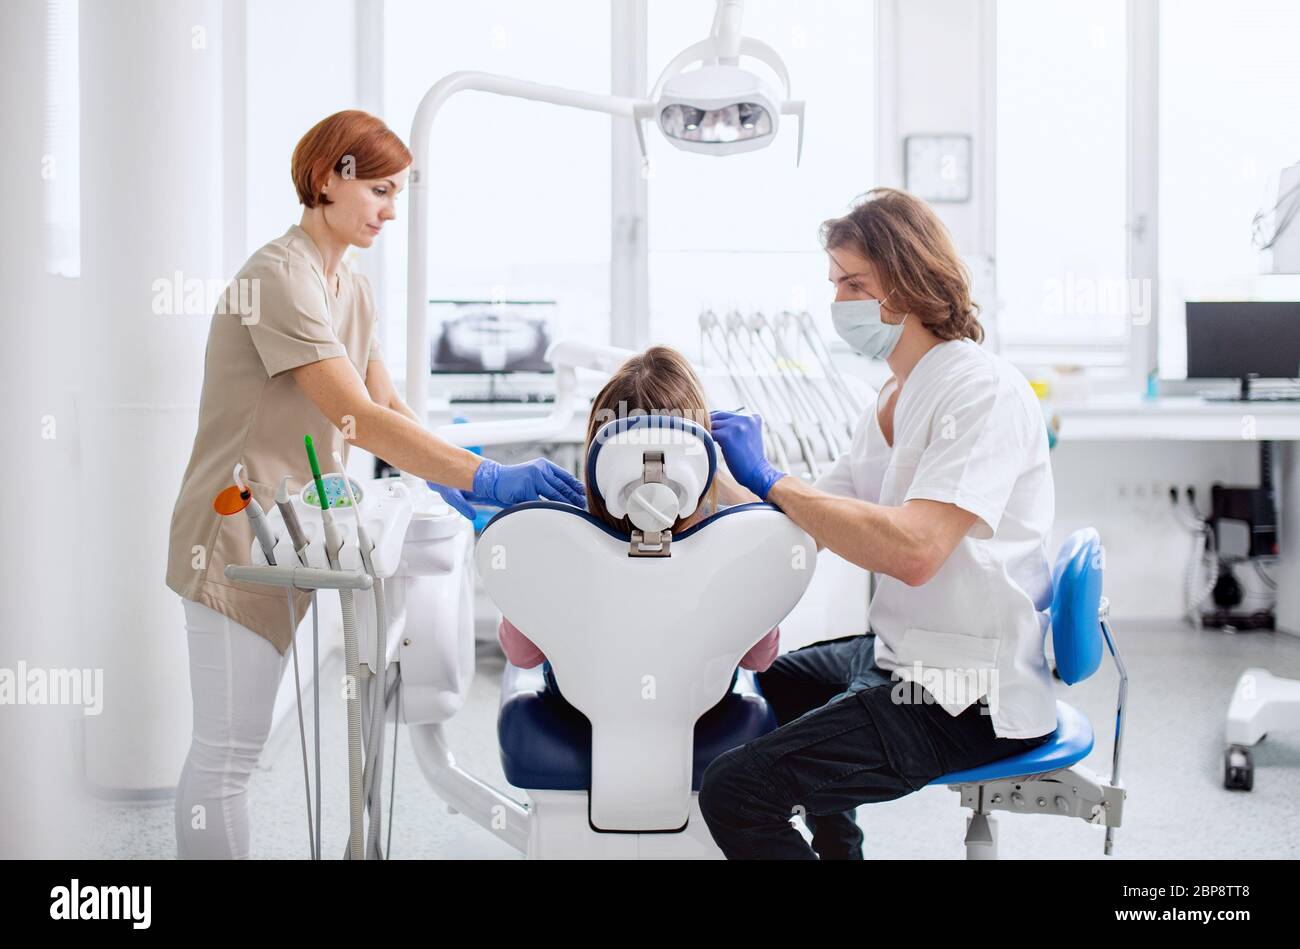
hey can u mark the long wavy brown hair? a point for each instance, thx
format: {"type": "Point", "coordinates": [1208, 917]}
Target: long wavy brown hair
{"type": "Point", "coordinates": [659, 381]}
{"type": "Point", "coordinates": [913, 253]}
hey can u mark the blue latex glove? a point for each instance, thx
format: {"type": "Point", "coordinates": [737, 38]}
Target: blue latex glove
{"type": "Point", "coordinates": [741, 439]}
{"type": "Point", "coordinates": [514, 484]}
{"type": "Point", "coordinates": [459, 500]}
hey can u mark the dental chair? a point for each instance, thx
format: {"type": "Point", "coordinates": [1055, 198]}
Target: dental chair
{"type": "Point", "coordinates": [1049, 779]}
{"type": "Point", "coordinates": [643, 634]}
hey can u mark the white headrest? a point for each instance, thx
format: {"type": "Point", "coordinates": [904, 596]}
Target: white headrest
{"type": "Point", "coordinates": [616, 468]}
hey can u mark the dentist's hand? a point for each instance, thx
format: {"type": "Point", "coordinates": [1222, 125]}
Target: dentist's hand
{"type": "Point", "coordinates": [514, 484]}
{"type": "Point", "coordinates": [741, 440]}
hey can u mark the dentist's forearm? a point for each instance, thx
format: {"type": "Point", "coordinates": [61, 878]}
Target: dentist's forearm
{"type": "Point", "coordinates": [868, 535]}
{"type": "Point", "coordinates": [400, 440]}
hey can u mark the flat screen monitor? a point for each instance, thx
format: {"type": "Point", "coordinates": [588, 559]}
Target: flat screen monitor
{"type": "Point", "coordinates": [1241, 340]}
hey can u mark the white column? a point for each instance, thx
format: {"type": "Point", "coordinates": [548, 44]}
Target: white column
{"type": "Point", "coordinates": [151, 203]}
{"type": "Point", "coordinates": [38, 613]}
{"type": "Point", "coordinates": [629, 282]}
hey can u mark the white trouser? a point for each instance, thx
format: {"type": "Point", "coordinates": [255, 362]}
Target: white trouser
{"type": "Point", "coordinates": [234, 677]}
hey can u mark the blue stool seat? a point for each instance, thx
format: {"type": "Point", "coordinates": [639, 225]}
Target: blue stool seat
{"type": "Point", "coordinates": [1070, 743]}
{"type": "Point", "coordinates": [546, 742]}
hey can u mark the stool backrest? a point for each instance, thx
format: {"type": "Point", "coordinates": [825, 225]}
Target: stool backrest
{"type": "Point", "coordinates": [1076, 599]}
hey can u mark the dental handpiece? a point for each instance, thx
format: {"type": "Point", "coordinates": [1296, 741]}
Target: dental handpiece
{"type": "Point", "coordinates": [257, 518]}
{"type": "Point", "coordinates": [333, 534]}
{"type": "Point", "coordinates": [363, 538]}
{"type": "Point", "coordinates": [296, 536]}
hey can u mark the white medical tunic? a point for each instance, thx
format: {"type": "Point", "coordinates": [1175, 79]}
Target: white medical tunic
{"type": "Point", "coordinates": [968, 431]}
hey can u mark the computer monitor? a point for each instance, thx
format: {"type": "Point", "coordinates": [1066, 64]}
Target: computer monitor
{"type": "Point", "coordinates": [1243, 340]}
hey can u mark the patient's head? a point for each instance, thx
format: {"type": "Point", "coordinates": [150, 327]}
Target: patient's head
{"type": "Point", "coordinates": [658, 381]}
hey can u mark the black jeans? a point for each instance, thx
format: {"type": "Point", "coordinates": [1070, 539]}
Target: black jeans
{"type": "Point", "coordinates": [849, 734]}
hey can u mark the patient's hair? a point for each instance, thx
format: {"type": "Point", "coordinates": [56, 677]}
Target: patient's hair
{"type": "Point", "coordinates": [912, 251]}
{"type": "Point", "coordinates": [659, 381]}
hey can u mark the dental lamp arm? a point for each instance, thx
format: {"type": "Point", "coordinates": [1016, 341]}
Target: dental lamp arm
{"type": "Point", "coordinates": [417, 288]}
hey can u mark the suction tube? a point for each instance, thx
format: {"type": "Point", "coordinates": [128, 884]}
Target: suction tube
{"type": "Point", "coordinates": [333, 543]}
{"type": "Point", "coordinates": [371, 779]}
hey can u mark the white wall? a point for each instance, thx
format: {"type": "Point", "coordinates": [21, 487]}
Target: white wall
{"type": "Point", "coordinates": [935, 76]}
{"type": "Point", "coordinates": [301, 67]}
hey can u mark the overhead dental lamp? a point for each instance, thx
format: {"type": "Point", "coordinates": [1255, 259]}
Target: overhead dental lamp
{"type": "Point", "coordinates": [704, 101]}
{"type": "Point", "coordinates": [720, 108]}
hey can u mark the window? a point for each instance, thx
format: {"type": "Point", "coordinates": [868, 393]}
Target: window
{"type": "Point", "coordinates": [519, 194]}
{"type": "Point", "coordinates": [1063, 290]}
{"type": "Point", "coordinates": [1229, 95]}
{"type": "Point", "coordinates": [61, 141]}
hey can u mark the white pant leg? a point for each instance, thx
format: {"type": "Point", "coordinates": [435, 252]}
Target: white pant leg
{"type": "Point", "coordinates": [234, 677]}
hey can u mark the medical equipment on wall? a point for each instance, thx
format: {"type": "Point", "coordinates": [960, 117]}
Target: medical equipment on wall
{"type": "Point", "coordinates": [1228, 584]}
{"type": "Point", "coordinates": [1274, 228]}
{"type": "Point", "coordinates": [731, 108]}
{"type": "Point", "coordinates": [782, 370]}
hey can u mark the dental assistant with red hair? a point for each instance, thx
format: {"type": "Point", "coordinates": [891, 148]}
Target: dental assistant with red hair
{"type": "Point", "coordinates": [306, 360]}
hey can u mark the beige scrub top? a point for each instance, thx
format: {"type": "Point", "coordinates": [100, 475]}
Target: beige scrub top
{"type": "Point", "coordinates": [252, 410]}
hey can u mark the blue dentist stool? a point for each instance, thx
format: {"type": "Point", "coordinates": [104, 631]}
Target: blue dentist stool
{"type": "Point", "coordinates": [1049, 779]}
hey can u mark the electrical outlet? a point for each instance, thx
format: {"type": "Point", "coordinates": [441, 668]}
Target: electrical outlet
{"type": "Point", "coordinates": [1141, 496]}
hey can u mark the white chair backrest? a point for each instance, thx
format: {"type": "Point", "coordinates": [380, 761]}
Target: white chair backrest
{"type": "Point", "coordinates": [644, 645]}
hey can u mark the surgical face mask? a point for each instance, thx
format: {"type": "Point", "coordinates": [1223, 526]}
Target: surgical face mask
{"type": "Point", "coordinates": [859, 324]}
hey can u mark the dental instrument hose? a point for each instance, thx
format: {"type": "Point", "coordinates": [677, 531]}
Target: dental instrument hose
{"type": "Point", "coordinates": [226, 505]}
{"type": "Point", "coordinates": [299, 542]}
{"type": "Point", "coordinates": [378, 707]}
{"type": "Point", "coordinates": [333, 543]}
{"type": "Point", "coordinates": [302, 729]}
{"type": "Point", "coordinates": [315, 697]}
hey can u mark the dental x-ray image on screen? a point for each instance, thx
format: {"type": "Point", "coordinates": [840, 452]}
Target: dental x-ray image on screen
{"type": "Point", "coordinates": [482, 336]}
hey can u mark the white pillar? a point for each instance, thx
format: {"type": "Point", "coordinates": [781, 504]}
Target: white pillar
{"type": "Point", "coordinates": [38, 613]}
{"type": "Point", "coordinates": [629, 282]}
{"type": "Point", "coordinates": [151, 207]}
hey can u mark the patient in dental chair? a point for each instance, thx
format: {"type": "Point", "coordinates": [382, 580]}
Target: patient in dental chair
{"type": "Point", "coordinates": [658, 381]}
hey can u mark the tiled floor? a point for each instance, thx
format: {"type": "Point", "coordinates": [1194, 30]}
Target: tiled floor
{"type": "Point", "coordinates": [1179, 686]}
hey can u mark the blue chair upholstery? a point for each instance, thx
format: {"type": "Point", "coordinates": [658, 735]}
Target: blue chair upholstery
{"type": "Point", "coordinates": [1076, 629]}
{"type": "Point", "coordinates": [1069, 744]}
{"type": "Point", "coordinates": [546, 742]}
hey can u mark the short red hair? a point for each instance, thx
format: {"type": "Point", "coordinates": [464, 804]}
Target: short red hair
{"type": "Point", "coordinates": [352, 143]}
